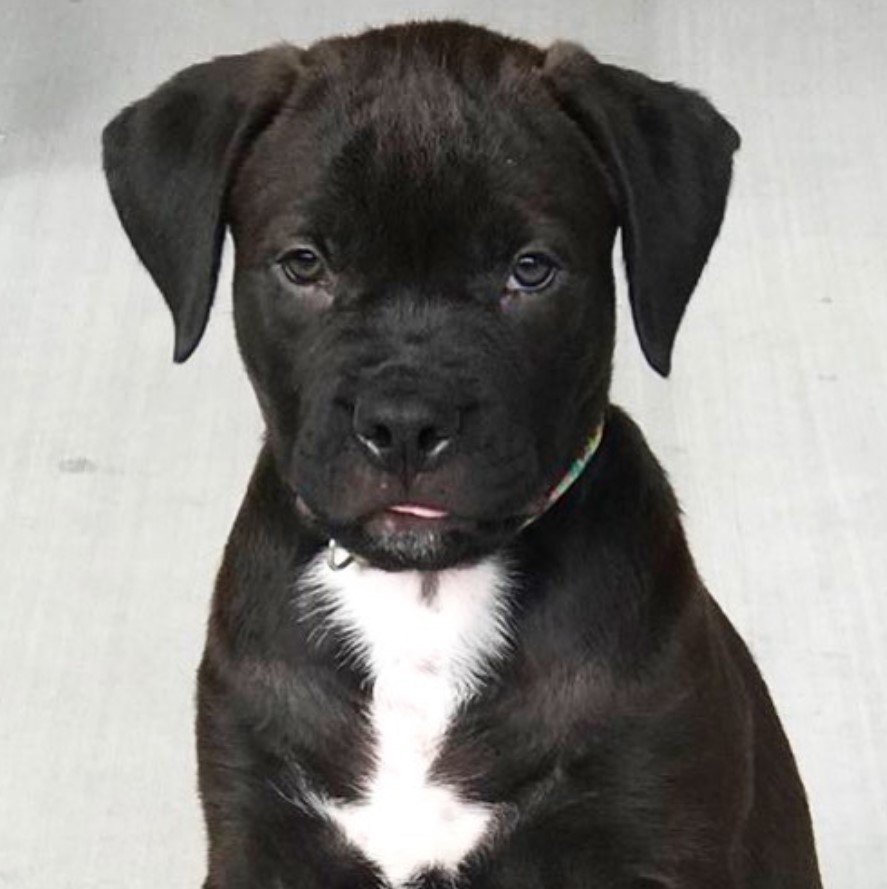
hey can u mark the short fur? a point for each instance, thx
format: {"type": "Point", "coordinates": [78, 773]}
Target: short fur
{"type": "Point", "coordinates": [619, 734]}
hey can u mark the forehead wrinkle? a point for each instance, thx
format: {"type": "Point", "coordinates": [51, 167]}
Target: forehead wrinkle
{"type": "Point", "coordinates": [416, 183]}
{"type": "Point", "coordinates": [419, 121]}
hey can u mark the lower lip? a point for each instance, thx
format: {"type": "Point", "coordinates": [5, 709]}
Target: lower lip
{"type": "Point", "coordinates": [419, 512]}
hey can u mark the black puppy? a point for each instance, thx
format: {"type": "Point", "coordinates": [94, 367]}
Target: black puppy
{"type": "Point", "coordinates": [457, 637]}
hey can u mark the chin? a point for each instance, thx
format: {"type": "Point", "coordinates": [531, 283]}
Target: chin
{"type": "Point", "coordinates": [405, 543]}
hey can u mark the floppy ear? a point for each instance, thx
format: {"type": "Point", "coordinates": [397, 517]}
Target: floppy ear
{"type": "Point", "coordinates": [169, 159]}
{"type": "Point", "coordinates": [668, 154]}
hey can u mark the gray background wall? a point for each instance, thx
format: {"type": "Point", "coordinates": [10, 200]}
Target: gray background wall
{"type": "Point", "coordinates": [120, 474]}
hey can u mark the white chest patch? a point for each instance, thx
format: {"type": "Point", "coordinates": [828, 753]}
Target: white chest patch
{"type": "Point", "coordinates": [428, 651]}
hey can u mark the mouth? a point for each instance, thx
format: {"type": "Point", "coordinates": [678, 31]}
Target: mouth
{"type": "Point", "coordinates": [411, 535]}
{"type": "Point", "coordinates": [412, 519]}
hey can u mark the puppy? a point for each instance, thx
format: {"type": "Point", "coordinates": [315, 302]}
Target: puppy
{"type": "Point", "coordinates": [457, 637]}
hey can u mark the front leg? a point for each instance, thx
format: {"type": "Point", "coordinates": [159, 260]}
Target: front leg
{"type": "Point", "coordinates": [570, 857]}
{"type": "Point", "coordinates": [261, 841]}
{"type": "Point", "coordinates": [262, 831]}
{"type": "Point", "coordinates": [305, 859]}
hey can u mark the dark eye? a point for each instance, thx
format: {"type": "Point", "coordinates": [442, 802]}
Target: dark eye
{"type": "Point", "coordinates": [532, 271]}
{"type": "Point", "coordinates": [302, 265]}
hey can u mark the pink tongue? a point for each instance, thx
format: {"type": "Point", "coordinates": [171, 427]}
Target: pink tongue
{"type": "Point", "coordinates": [422, 512]}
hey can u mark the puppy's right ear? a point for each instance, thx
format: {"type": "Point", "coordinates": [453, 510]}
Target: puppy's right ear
{"type": "Point", "coordinates": [169, 159]}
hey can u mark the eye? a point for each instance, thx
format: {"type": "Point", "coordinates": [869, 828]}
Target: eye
{"type": "Point", "coordinates": [531, 272]}
{"type": "Point", "coordinates": [302, 265]}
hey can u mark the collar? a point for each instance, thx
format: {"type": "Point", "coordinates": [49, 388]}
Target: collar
{"type": "Point", "coordinates": [338, 557]}
{"type": "Point", "coordinates": [575, 469]}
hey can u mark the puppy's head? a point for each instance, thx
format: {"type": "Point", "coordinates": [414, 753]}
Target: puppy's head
{"type": "Point", "coordinates": [423, 219]}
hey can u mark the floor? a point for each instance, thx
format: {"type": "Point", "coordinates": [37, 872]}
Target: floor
{"type": "Point", "coordinates": [120, 473]}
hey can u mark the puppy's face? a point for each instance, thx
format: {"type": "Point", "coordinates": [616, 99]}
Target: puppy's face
{"type": "Point", "coordinates": [423, 301]}
{"type": "Point", "coordinates": [423, 219]}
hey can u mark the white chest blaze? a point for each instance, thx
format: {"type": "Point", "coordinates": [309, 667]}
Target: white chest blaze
{"type": "Point", "coordinates": [428, 652]}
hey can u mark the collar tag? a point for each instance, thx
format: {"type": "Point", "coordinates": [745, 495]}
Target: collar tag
{"type": "Point", "coordinates": [337, 557]}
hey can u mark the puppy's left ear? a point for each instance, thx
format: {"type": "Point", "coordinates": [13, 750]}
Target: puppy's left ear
{"type": "Point", "coordinates": [169, 159]}
{"type": "Point", "coordinates": [668, 155]}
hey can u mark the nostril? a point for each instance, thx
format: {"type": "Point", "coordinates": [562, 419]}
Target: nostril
{"type": "Point", "coordinates": [431, 442]}
{"type": "Point", "coordinates": [378, 439]}
{"type": "Point", "coordinates": [380, 436]}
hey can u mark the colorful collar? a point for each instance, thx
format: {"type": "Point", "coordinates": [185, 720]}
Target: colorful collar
{"type": "Point", "coordinates": [576, 468]}
{"type": "Point", "coordinates": [338, 557]}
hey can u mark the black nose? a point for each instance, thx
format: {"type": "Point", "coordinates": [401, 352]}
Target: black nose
{"type": "Point", "coordinates": [404, 433]}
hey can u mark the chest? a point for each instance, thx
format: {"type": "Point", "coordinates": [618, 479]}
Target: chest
{"type": "Point", "coordinates": [428, 643]}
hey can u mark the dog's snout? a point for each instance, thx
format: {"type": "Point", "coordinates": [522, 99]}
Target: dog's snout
{"type": "Point", "coordinates": [404, 433]}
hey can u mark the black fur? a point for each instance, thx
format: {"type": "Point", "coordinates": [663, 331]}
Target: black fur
{"type": "Point", "coordinates": [629, 737]}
